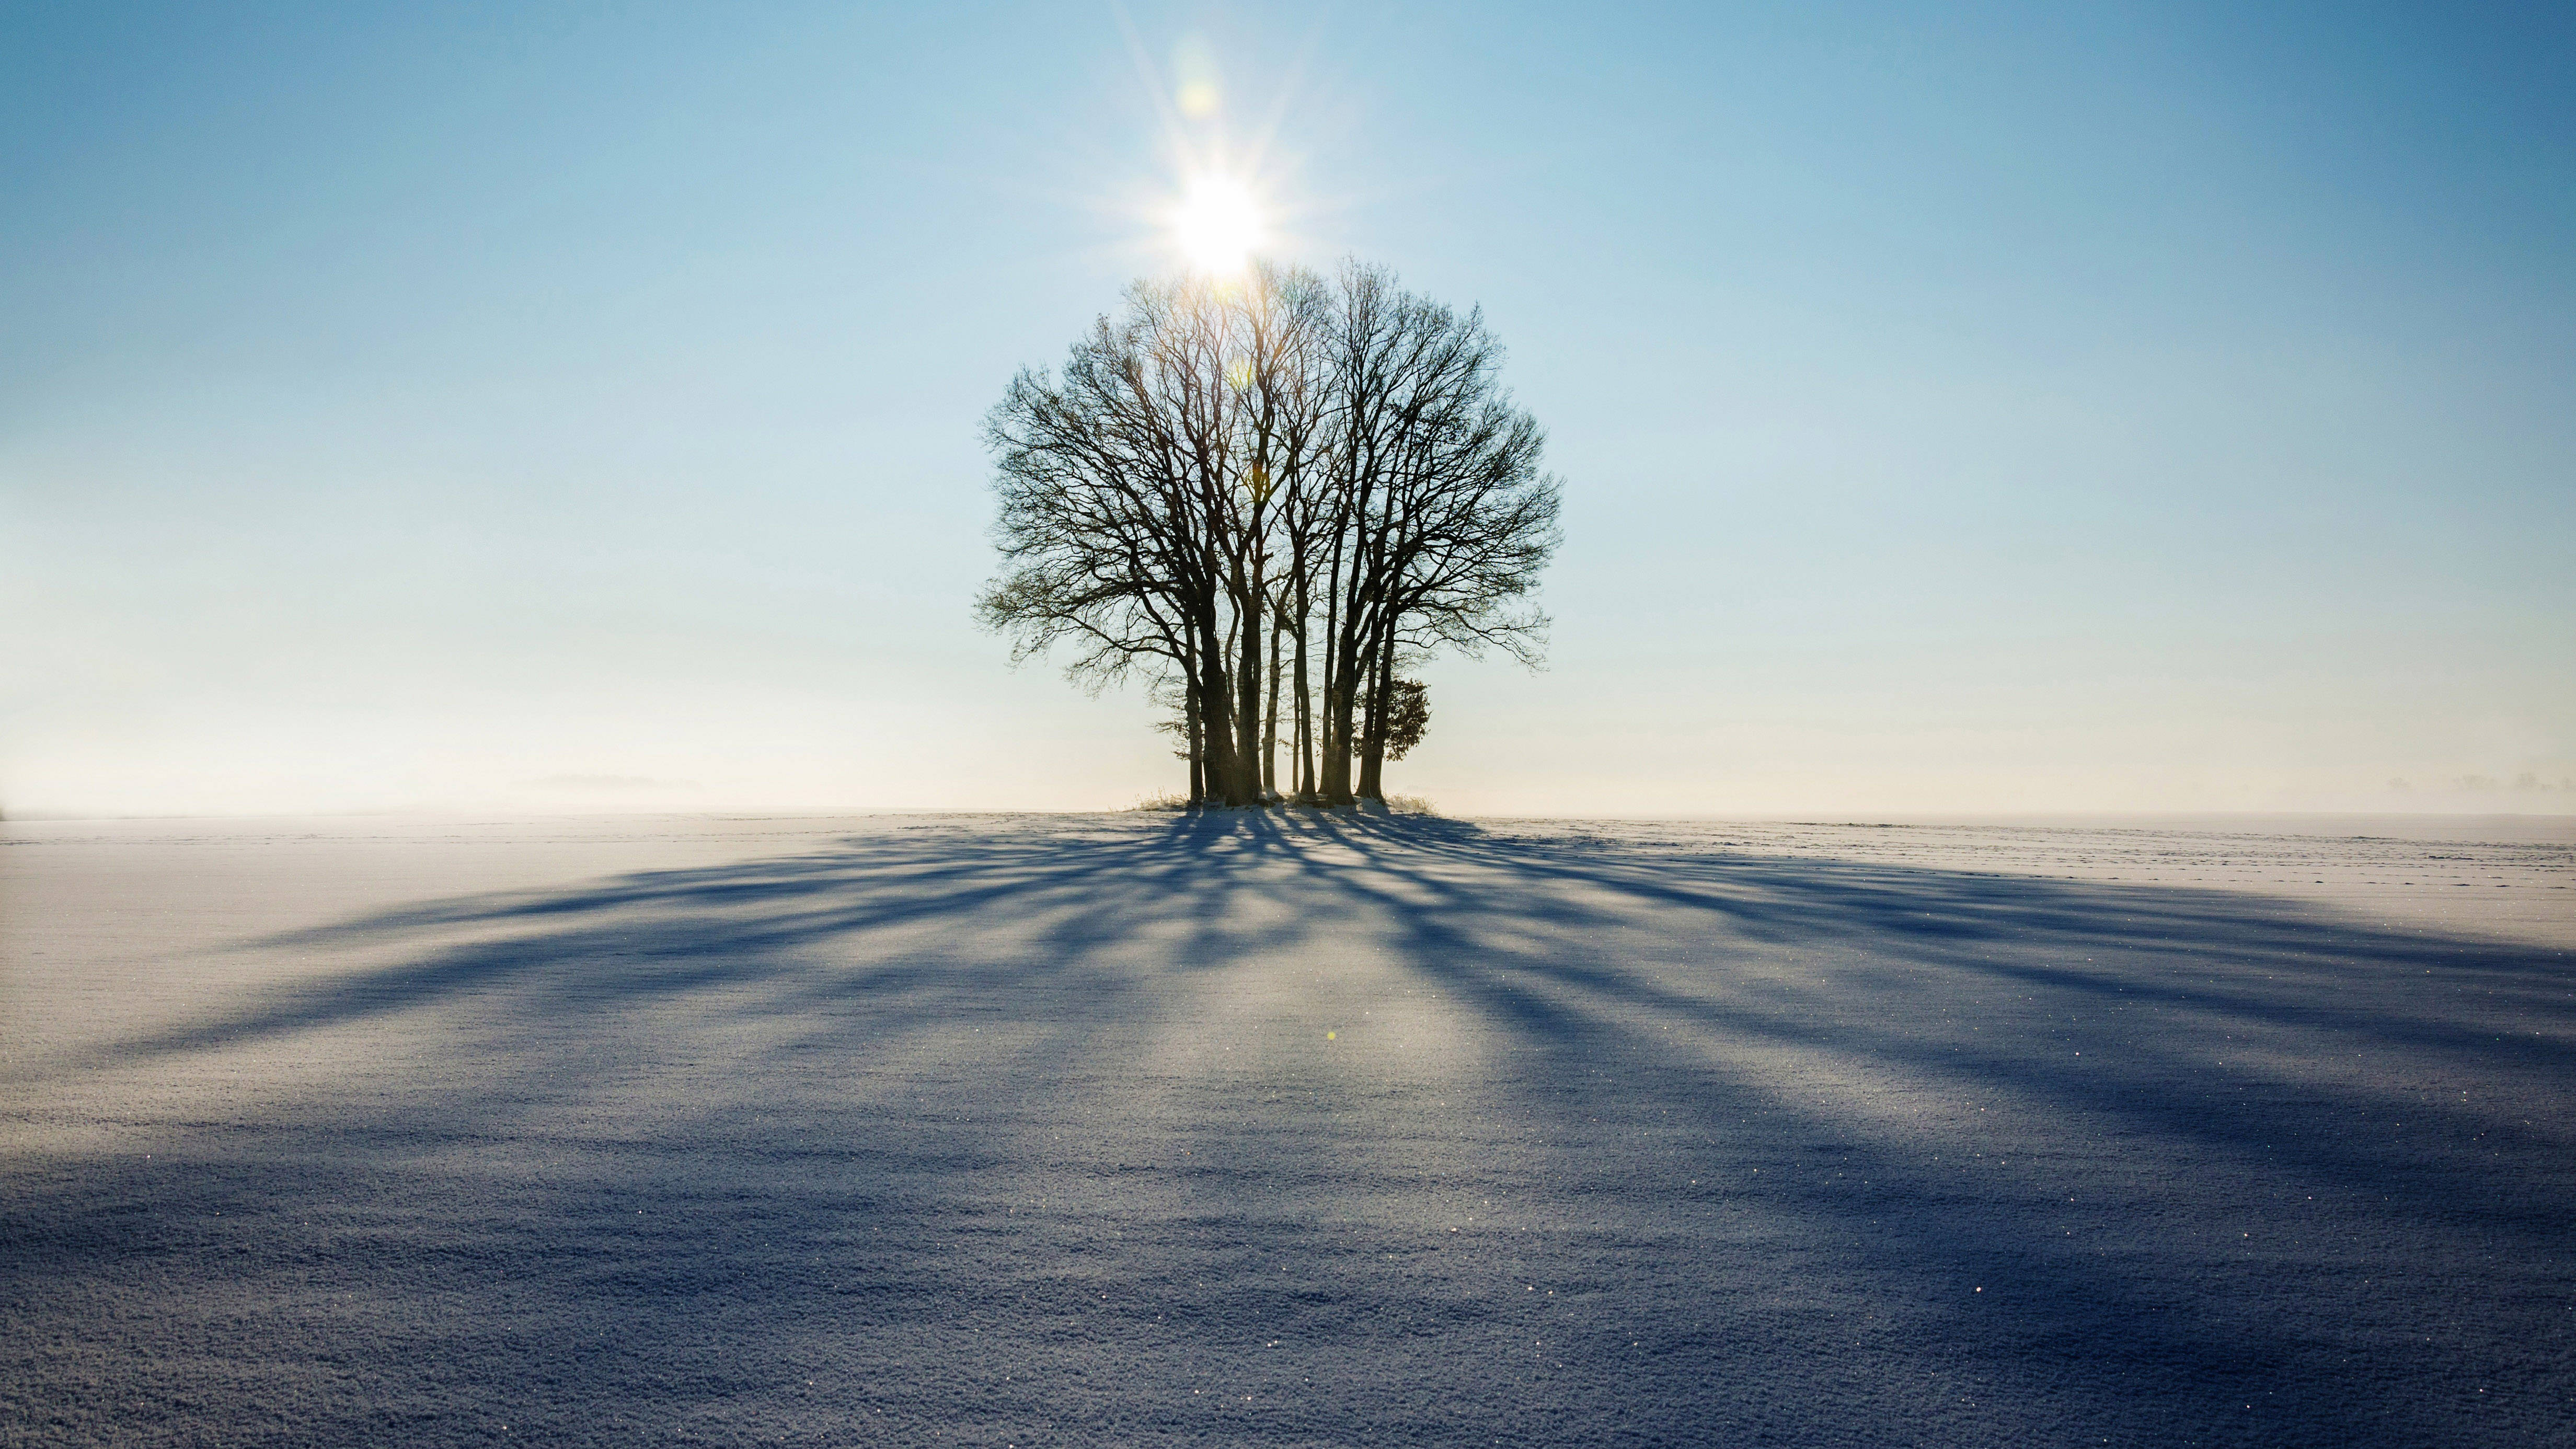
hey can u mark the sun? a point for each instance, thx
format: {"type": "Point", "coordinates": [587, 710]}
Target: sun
{"type": "Point", "coordinates": [1217, 224]}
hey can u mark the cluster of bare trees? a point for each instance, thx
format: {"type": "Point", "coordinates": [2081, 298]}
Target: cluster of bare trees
{"type": "Point", "coordinates": [1268, 496]}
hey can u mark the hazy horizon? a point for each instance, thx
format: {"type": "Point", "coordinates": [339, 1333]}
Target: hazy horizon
{"type": "Point", "coordinates": [2150, 411]}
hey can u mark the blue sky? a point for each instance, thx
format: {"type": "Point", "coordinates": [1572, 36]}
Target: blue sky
{"type": "Point", "coordinates": [2004, 408]}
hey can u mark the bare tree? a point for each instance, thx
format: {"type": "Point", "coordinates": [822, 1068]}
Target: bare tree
{"type": "Point", "coordinates": [1444, 517]}
{"type": "Point", "coordinates": [1112, 539]}
{"type": "Point", "coordinates": [1226, 462]}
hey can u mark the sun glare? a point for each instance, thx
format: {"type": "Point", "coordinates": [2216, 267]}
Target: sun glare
{"type": "Point", "coordinates": [1217, 225]}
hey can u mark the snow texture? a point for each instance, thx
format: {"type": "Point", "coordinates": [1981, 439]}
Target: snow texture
{"type": "Point", "coordinates": [1235, 1129]}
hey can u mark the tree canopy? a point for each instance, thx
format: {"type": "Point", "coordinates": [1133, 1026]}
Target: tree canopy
{"type": "Point", "coordinates": [1277, 485]}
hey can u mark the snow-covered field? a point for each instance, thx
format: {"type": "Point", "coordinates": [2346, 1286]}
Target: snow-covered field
{"type": "Point", "coordinates": [1222, 1129]}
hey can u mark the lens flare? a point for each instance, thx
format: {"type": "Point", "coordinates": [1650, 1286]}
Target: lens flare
{"type": "Point", "coordinates": [1198, 90]}
{"type": "Point", "coordinates": [1217, 225]}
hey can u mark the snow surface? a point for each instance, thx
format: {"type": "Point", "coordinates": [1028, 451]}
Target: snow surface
{"type": "Point", "coordinates": [1233, 1129]}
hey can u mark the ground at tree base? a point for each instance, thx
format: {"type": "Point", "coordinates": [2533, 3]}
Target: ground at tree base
{"type": "Point", "coordinates": [1391, 805]}
{"type": "Point", "coordinates": [1285, 1128]}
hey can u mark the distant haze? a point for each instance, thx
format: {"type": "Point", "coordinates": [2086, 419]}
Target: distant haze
{"type": "Point", "coordinates": [2048, 409]}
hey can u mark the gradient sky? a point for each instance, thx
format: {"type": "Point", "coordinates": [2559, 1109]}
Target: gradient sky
{"type": "Point", "coordinates": [1965, 408]}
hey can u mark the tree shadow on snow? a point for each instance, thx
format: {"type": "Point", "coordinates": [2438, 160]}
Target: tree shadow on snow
{"type": "Point", "coordinates": [2209, 1226]}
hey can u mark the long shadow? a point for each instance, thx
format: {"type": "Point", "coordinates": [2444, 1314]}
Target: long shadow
{"type": "Point", "coordinates": [2244, 1061]}
{"type": "Point", "coordinates": [2218, 968]}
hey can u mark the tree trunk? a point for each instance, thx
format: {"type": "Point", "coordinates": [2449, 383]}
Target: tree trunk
{"type": "Point", "coordinates": [1247, 686]}
{"type": "Point", "coordinates": [1373, 747]}
{"type": "Point", "coordinates": [1339, 704]}
{"type": "Point", "coordinates": [1336, 722]}
{"type": "Point", "coordinates": [1224, 760]}
{"type": "Point", "coordinates": [1193, 733]}
{"type": "Point", "coordinates": [1270, 719]}
{"type": "Point", "coordinates": [1305, 714]}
